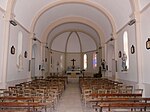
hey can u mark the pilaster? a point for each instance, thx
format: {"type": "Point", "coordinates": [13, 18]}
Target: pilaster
{"type": "Point", "coordinates": [5, 48]}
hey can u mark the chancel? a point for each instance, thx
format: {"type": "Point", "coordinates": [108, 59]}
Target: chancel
{"type": "Point", "coordinates": [73, 69]}
{"type": "Point", "coordinates": [53, 51]}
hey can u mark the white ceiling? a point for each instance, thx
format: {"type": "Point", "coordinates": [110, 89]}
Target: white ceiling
{"type": "Point", "coordinates": [75, 10]}
{"type": "Point", "coordinates": [73, 42]}
{"type": "Point", "coordinates": [3, 4]}
{"type": "Point", "coordinates": [143, 3]}
{"type": "Point", "coordinates": [79, 27]}
{"type": "Point", "coordinates": [118, 11]}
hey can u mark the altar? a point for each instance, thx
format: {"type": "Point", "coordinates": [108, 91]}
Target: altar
{"type": "Point", "coordinates": [70, 72]}
{"type": "Point", "coordinates": [73, 76]}
{"type": "Point", "coordinates": [73, 73]}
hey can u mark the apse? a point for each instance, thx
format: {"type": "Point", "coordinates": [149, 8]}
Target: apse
{"type": "Point", "coordinates": [73, 42]}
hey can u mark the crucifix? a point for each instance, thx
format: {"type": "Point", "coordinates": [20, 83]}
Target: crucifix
{"type": "Point", "coordinates": [73, 60]}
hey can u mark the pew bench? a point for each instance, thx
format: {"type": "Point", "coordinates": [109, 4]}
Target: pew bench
{"type": "Point", "coordinates": [107, 95]}
{"type": "Point", "coordinates": [101, 100]}
{"type": "Point", "coordinates": [23, 105]}
{"type": "Point", "coordinates": [122, 105]}
{"type": "Point", "coordinates": [17, 110]}
{"type": "Point", "coordinates": [16, 99]}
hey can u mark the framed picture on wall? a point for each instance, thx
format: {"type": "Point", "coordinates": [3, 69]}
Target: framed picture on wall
{"type": "Point", "coordinates": [12, 50]}
{"type": "Point", "coordinates": [119, 54]}
{"type": "Point", "coordinates": [132, 49]}
{"type": "Point", "coordinates": [25, 54]}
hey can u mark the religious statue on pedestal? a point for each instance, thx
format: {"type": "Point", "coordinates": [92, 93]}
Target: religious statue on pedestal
{"type": "Point", "coordinates": [124, 59]}
{"type": "Point", "coordinates": [103, 64]}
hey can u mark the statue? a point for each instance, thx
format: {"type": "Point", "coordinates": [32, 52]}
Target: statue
{"type": "Point", "coordinates": [124, 59]}
{"type": "Point", "coordinates": [103, 65]}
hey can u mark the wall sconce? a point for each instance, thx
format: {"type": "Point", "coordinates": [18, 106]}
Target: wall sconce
{"type": "Point", "coordinates": [13, 22]}
{"type": "Point", "coordinates": [12, 50]}
{"type": "Point", "coordinates": [148, 44]}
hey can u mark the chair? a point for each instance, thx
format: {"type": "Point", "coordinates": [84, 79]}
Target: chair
{"type": "Point", "coordinates": [86, 95]}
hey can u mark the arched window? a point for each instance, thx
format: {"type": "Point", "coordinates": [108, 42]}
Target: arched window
{"type": "Point", "coordinates": [61, 61]}
{"type": "Point", "coordinates": [125, 58]}
{"type": "Point", "coordinates": [19, 51]}
{"type": "Point", "coordinates": [94, 60]}
{"type": "Point", "coordinates": [85, 61]}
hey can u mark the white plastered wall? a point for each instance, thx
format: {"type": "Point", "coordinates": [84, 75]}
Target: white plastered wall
{"type": "Point", "coordinates": [76, 56]}
{"type": "Point", "coordinates": [145, 30]}
{"type": "Point", "coordinates": [90, 70]}
{"type": "Point", "coordinates": [57, 63]}
{"type": "Point", "coordinates": [13, 74]}
{"type": "Point", "coordinates": [131, 73]}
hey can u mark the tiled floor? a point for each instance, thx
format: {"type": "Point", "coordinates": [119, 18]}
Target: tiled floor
{"type": "Point", "coordinates": [71, 100]}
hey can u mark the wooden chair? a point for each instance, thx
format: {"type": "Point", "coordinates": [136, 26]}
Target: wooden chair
{"type": "Point", "coordinates": [86, 95]}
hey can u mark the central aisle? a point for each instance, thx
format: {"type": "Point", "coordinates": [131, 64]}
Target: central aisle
{"type": "Point", "coordinates": [70, 100]}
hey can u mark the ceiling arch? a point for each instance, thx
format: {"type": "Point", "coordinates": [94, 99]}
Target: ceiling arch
{"type": "Point", "coordinates": [41, 7]}
{"type": "Point", "coordinates": [73, 41]}
{"type": "Point", "coordinates": [73, 27]}
{"type": "Point", "coordinates": [63, 35]}
{"type": "Point", "coordinates": [89, 3]}
{"type": "Point", "coordinates": [72, 20]}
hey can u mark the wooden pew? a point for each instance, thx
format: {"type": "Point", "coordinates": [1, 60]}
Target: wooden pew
{"type": "Point", "coordinates": [134, 95]}
{"type": "Point", "coordinates": [23, 105]}
{"type": "Point", "coordinates": [16, 98]}
{"type": "Point", "coordinates": [17, 111]}
{"type": "Point", "coordinates": [102, 100]}
{"type": "Point", "coordinates": [122, 105]}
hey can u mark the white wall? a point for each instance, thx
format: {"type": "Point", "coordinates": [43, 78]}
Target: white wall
{"type": "Point", "coordinates": [131, 74]}
{"type": "Point", "coordinates": [145, 28]}
{"type": "Point", "coordinates": [13, 74]}
{"type": "Point", "coordinates": [56, 62]}
{"type": "Point", "coordinates": [1, 43]}
{"type": "Point", "coordinates": [77, 56]}
{"type": "Point", "coordinates": [90, 69]}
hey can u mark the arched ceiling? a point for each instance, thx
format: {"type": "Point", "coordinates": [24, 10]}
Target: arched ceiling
{"type": "Point", "coordinates": [78, 10]}
{"type": "Point", "coordinates": [73, 41]}
{"type": "Point", "coordinates": [143, 3]}
{"type": "Point", "coordinates": [37, 15]}
{"type": "Point", "coordinates": [73, 27]}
